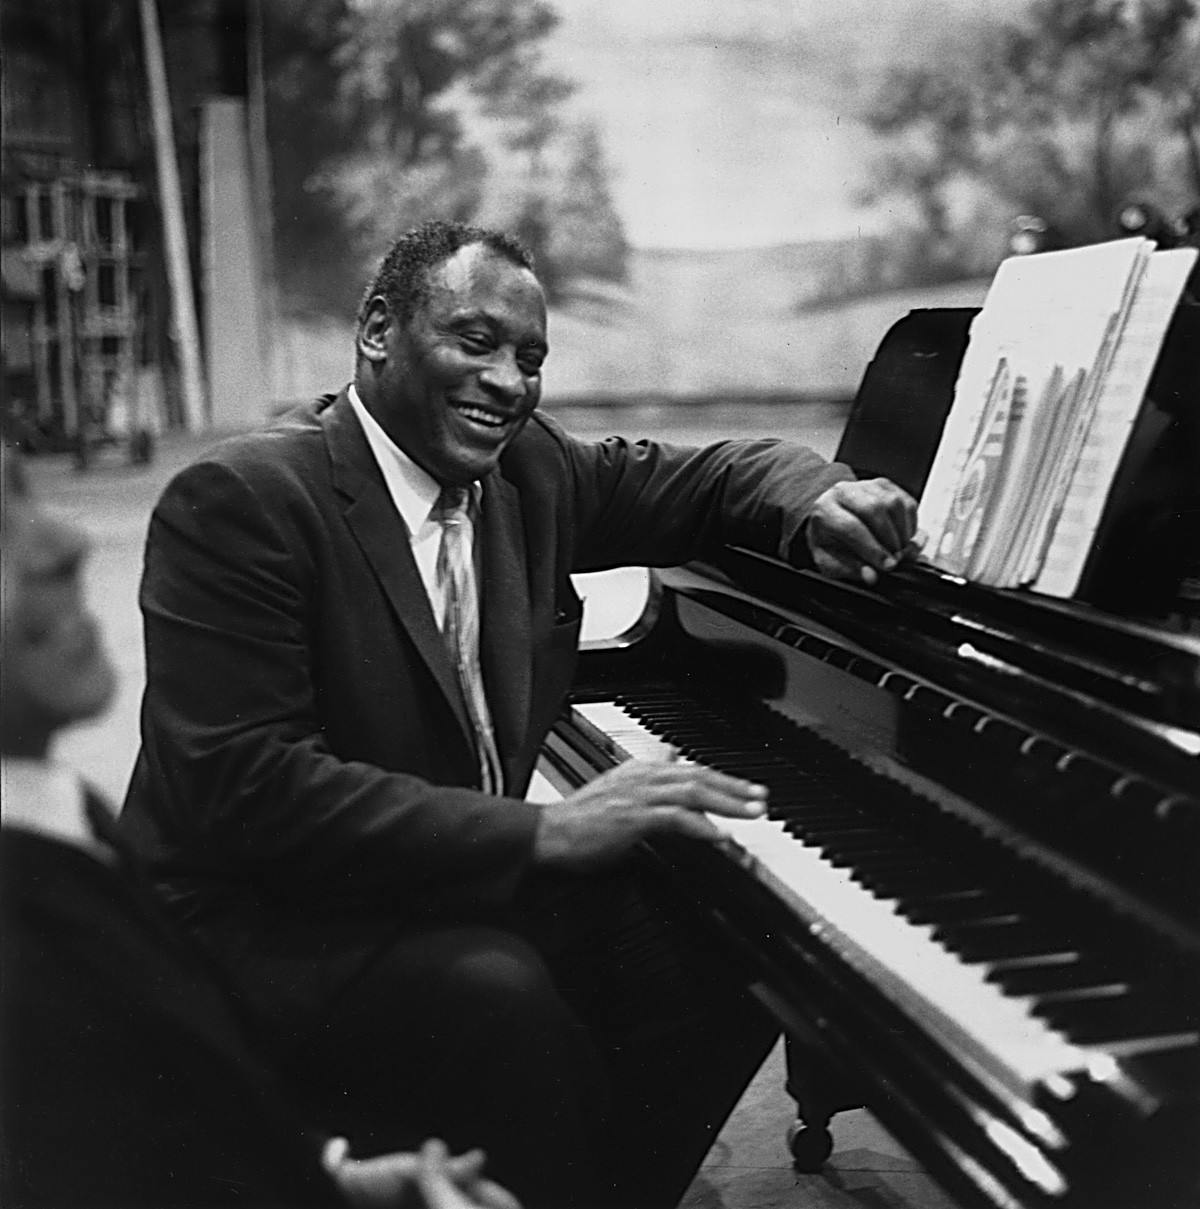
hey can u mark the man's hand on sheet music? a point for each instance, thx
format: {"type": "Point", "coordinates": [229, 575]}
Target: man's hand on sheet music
{"type": "Point", "coordinates": [609, 815]}
{"type": "Point", "coordinates": [860, 528]}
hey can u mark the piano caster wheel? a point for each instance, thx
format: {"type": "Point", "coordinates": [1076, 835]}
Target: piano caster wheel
{"type": "Point", "coordinates": [810, 1146]}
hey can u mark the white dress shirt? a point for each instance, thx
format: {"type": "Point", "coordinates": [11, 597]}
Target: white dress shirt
{"type": "Point", "coordinates": [49, 799]}
{"type": "Point", "coordinates": [414, 493]}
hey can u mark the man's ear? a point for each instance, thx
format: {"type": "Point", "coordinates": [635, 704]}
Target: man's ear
{"type": "Point", "coordinates": [372, 335]}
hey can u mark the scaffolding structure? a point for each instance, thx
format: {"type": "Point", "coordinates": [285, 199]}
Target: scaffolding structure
{"type": "Point", "coordinates": [83, 322]}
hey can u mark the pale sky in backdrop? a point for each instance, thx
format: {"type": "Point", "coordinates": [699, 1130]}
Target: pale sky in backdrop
{"type": "Point", "coordinates": [729, 123]}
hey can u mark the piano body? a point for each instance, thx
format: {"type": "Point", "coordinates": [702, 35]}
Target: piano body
{"type": "Point", "coordinates": [975, 903]}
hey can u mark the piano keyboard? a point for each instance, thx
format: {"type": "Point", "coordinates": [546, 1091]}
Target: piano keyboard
{"type": "Point", "coordinates": [970, 958]}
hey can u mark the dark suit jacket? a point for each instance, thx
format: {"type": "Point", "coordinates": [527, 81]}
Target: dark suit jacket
{"type": "Point", "coordinates": [128, 1078]}
{"type": "Point", "coordinates": [306, 775]}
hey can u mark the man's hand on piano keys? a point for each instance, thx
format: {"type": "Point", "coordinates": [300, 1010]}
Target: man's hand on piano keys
{"type": "Point", "coordinates": [861, 528]}
{"type": "Point", "coordinates": [607, 816]}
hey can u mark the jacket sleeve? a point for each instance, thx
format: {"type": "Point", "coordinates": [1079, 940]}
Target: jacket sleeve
{"type": "Point", "coordinates": [653, 504]}
{"type": "Point", "coordinates": [235, 769]}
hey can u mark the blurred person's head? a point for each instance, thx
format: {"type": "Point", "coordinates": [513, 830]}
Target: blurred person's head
{"type": "Point", "coordinates": [54, 670]}
{"type": "Point", "coordinates": [451, 340]}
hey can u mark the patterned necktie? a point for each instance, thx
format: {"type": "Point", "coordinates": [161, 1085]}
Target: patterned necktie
{"type": "Point", "coordinates": [460, 630]}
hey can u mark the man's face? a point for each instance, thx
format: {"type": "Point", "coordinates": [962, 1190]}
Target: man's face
{"type": "Point", "coordinates": [461, 379]}
{"type": "Point", "coordinates": [56, 670]}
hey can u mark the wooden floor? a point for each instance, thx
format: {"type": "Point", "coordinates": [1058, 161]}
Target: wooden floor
{"type": "Point", "coordinates": [749, 1166]}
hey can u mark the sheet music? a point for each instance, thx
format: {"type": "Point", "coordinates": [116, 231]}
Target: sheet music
{"type": "Point", "coordinates": [1117, 407]}
{"type": "Point", "coordinates": [1054, 319]}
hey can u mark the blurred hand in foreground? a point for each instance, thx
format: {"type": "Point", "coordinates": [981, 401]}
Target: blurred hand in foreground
{"type": "Point", "coordinates": [431, 1179]}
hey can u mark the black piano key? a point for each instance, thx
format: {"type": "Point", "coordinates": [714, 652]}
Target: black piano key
{"type": "Point", "coordinates": [957, 909]}
{"type": "Point", "coordinates": [851, 854]}
{"type": "Point", "coordinates": [885, 887]}
{"type": "Point", "coordinates": [983, 946]}
{"type": "Point", "coordinates": [845, 856]}
{"type": "Point", "coordinates": [728, 759]}
{"type": "Point", "coordinates": [806, 831]}
{"type": "Point", "coordinates": [820, 818]}
{"type": "Point", "coordinates": [918, 898]}
{"type": "Point", "coordinates": [990, 926]}
{"type": "Point", "coordinates": [733, 757]}
{"type": "Point", "coordinates": [815, 804]}
{"type": "Point", "coordinates": [652, 713]}
{"type": "Point", "coordinates": [780, 782]}
{"type": "Point", "coordinates": [1111, 988]}
{"type": "Point", "coordinates": [906, 877]}
{"type": "Point", "coordinates": [788, 782]}
{"type": "Point", "coordinates": [930, 866]}
{"type": "Point", "coordinates": [854, 830]}
{"type": "Point", "coordinates": [677, 734]}
{"type": "Point", "coordinates": [1138, 1014]}
{"type": "Point", "coordinates": [991, 941]}
{"type": "Point", "coordinates": [1048, 978]}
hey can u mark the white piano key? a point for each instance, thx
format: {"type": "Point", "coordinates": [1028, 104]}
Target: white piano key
{"type": "Point", "coordinates": [631, 736]}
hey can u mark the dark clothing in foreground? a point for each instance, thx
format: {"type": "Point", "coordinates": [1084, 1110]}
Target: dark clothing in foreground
{"type": "Point", "coordinates": [128, 1080]}
{"type": "Point", "coordinates": [307, 789]}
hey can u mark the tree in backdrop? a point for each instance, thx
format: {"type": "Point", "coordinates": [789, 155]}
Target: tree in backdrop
{"type": "Point", "coordinates": [1066, 114]}
{"type": "Point", "coordinates": [385, 113]}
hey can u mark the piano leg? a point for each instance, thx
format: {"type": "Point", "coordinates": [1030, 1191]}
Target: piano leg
{"type": "Point", "coordinates": [820, 1090]}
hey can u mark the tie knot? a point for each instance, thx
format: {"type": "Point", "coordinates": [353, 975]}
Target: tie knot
{"type": "Point", "coordinates": [451, 505]}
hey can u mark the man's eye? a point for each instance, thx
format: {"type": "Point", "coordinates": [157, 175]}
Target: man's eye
{"type": "Point", "coordinates": [476, 342]}
{"type": "Point", "coordinates": [530, 366]}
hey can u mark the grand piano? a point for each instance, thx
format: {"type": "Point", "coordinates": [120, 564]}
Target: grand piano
{"type": "Point", "coordinates": [974, 905]}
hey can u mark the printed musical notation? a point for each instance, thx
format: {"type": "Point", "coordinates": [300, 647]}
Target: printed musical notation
{"type": "Point", "coordinates": [1054, 375]}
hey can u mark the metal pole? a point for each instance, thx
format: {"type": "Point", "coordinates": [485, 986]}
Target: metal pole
{"type": "Point", "coordinates": [179, 269]}
{"type": "Point", "coordinates": [260, 176]}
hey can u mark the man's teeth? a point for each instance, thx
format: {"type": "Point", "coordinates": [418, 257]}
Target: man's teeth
{"type": "Point", "coordinates": [480, 416]}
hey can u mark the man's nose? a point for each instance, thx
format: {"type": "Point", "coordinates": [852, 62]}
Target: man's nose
{"type": "Point", "coordinates": [503, 375]}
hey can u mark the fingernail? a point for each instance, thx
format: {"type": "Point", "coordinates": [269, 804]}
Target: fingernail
{"type": "Point", "coordinates": [890, 562]}
{"type": "Point", "coordinates": [756, 806]}
{"type": "Point", "coordinates": [758, 791]}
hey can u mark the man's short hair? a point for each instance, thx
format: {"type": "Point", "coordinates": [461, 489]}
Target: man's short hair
{"type": "Point", "coordinates": [403, 275]}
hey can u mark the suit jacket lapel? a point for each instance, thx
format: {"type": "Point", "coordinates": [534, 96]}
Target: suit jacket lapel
{"type": "Point", "coordinates": [506, 644]}
{"type": "Point", "coordinates": [384, 539]}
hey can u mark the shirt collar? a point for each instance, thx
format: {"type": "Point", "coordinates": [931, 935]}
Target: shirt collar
{"type": "Point", "coordinates": [413, 490]}
{"type": "Point", "coordinates": [46, 798]}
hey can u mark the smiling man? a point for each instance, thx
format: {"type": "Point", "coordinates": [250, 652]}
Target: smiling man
{"type": "Point", "coordinates": [359, 627]}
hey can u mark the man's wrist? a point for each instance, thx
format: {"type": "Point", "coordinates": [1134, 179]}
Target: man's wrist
{"type": "Point", "coordinates": [799, 552]}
